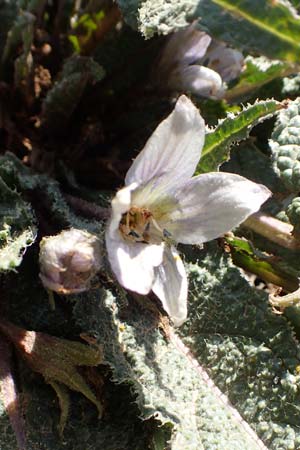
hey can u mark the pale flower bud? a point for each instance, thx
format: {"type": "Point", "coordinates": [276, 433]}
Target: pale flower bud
{"type": "Point", "coordinates": [191, 61]}
{"type": "Point", "coordinates": [227, 61]}
{"type": "Point", "coordinates": [69, 260]}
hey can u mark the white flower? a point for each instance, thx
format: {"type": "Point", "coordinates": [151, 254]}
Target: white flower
{"type": "Point", "coordinates": [162, 204]}
{"type": "Point", "coordinates": [192, 61]}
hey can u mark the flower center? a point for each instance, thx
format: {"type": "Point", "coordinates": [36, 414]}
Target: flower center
{"type": "Point", "coordinates": [139, 225]}
{"type": "Point", "coordinates": [135, 225]}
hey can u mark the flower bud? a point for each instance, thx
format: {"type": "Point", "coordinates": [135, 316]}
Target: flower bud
{"type": "Point", "coordinates": [69, 261]}
{"type": "Point", "coordinates": [227, 61]}
{"type": "Point", "coordinates": [191, 61]}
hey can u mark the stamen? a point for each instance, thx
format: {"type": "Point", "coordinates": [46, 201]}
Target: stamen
{"type": "Point", "coordinates": [156, 225]}
{"type": "Point", "coordinates": [167, 234]}
{"type": "Point", "coordinates": [134, 234]}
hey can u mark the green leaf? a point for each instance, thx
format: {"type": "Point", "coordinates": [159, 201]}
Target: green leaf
{"type": "Point", "coordinates": [66, 93]}
{"type": "Point", "coordinates": [48, 191]}
{"type": "Point", "coordinates": [258, 71]}
{"type": "Point", "coordinates": [168, 384]}
{"type": "Point", "coordinates": [264, 26]}
{"type": "Point", "coordinates": [293, 213]}
{"type": "Point", "coordinates": [17, 227]}
{"type": "Point", "coordinates": [250, 352]}
{"type": "Point", "coordinates": [21, 33]}
{"type": "Point", "coordinates": [56, 359]}
{"type": "Point", "coordinates": [267, 27]}
{"type": "Point", "coordinates": [261, 264]}
{"type": "Point", "coordinates": [285, 145]}
{"type": "Point", "coordinates": [121, 429]}
{"type": "Point", "coordinates": [230, 130]}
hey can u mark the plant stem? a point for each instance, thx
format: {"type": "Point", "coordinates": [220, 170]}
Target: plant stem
{"type": "Point", "coordinates": [273, 229]}
{"type": "Point", "coordinates": [291, 299]}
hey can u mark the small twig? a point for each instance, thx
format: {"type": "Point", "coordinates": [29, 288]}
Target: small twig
{"type": "Point", "coordinates": [291, 299]}
{"type": "Point", "coordinates": [87, 209]}
{"type": "Point", "coordinates": [273, 229]}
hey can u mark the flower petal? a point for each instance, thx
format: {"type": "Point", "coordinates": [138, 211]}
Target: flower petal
{"type": "Point", "coordinates": [133, 263]}
{"type": "Point", "coordinates": [171, 286]}
{"type": "Point", "coordinates": [198, 79]}
{"type": "Point", "coordinates": [184, 47]}
{"type": "Point", "coordinates": [120, 204]}
{"type": "Point", "coordinates": [173, 151]}
{"type": "Point", "coordinates": [227, 61]}
{"type": "Point", "coordinates": [211, 205]}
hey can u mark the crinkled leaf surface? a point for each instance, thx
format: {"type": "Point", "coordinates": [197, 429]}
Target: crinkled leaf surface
{"type": "Point", "coordinates": [47, 192]}
{"type": "Point", "coordinates": [271, 28]}
{"type": "Point", "coordinates": [62, 99]}
{"type": "Point", "coordinates": [293, 213]}
{"type": "Point", "coordinates": [120, 428]}
{"type": "Point", "coordinates": [232, 129]}
{"type": "Point", "coordinates": [17, 227]}
{"type": "Point", "coordinates": [251, 353]}
{"type": "Point", "coordinates": [257, 72]}
{"type": "Point", "coordinates": [285, 145]}
{"type": "Point", "coordinates": [168, 384]}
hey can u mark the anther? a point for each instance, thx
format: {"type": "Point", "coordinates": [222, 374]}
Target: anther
{"type": "Point", "coordinates": [134, 234]}
{"type": "Point", "coordinates": [166, 233]}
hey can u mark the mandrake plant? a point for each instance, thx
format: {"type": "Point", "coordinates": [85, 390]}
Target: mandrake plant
{"type": "Point", "coordinates": [149, 297]}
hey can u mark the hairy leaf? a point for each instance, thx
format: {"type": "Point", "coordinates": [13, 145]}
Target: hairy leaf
{"type": "Point", "coordinates": [65, 95]}
{"type": "Point", "coordinates": [272, 29]}
{"type": "Point", "coordinates": [232, 129]}
{"type": "Point", "coordinates": [250, 352]}
{"type": "Point", "coordinates": [17, 227]}
{"type": "Point", "coordinates": [293, 213]}
{"type": "Point", "coordinates": [47, 190]}
{"type": "Point", "coordinates": [56, 359]}
{"type": "Point", "coordinates": [258, 71]}
{"type": "Point", "coordinates": [285, 145]}
{"type": "Point", "coordinates": [168, 385]}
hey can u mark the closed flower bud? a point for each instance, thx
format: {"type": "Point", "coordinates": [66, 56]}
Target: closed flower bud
{"type": "Point", "coordinates": [69, 261]}
{"type": "Point", "coordinates": [191, 61]}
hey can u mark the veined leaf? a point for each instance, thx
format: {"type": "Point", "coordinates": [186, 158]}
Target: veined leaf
{"type": "Point", "coordinates": [169, 384]}
{"type": "Point", "coordinates": [232, 129]}
{"type": "Point", "coordinates": [251, 353]}
{"type": "Point", "coordinates": [268, 27]}
{"type": "Point", "coordinates": [258, 72]}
